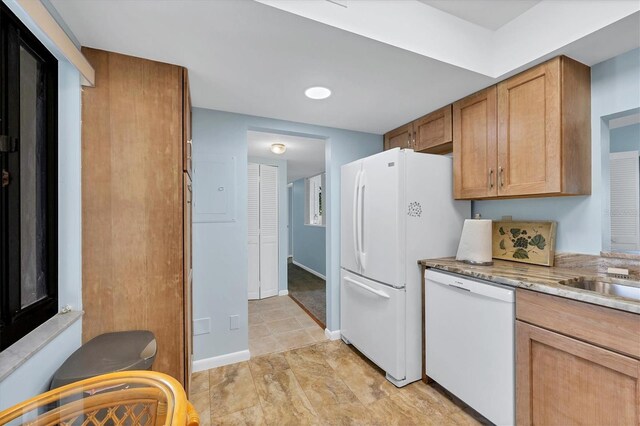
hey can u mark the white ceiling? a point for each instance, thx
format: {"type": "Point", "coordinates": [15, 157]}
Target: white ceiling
{"type": "Point", "coordinates": [490, 14]}
{"type": "Point", "coordinates": [305, 156]}
{"type": "Point", "coordinates": [252, 58]}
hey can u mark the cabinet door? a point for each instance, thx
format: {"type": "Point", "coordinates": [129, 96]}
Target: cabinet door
{"type": "Point", "coordinates": [186, 124]}
{"type": "Point", "coordinates": [402, 137]}
{"type": "Point", "coordinates": [187, 278]}
{"type": "Point", "coordinates": [563, 381]}
{"type": "Point", "coordinates": [475, 145]}
{"type": "Point", "coordinates": [529, 132]}
{"type": "Point", "coordinates": [433, 132]}
{"type": "Point", "coordinates": [132, 220]}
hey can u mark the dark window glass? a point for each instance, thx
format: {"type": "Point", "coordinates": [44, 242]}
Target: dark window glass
{"type": "Point", "coordinates": [28, 201]}
{"type": "Point", "coordinates": [33, 198]}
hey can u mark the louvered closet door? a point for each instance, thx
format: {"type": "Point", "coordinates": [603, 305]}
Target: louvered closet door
{"type": "Point", "coordinates": [253, 213]}
{"type": "Point", "coordinates": [268, 231]}
{"type": "Point", "coordinates": [625, 200]}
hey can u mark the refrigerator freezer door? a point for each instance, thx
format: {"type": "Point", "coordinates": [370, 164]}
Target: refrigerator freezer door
{"type": "Point", "coordinates": [372, 319]}
{"type": "Point", "coordinates": [382, 238]}
{"type": "Point", "coordinates": [349, 253]}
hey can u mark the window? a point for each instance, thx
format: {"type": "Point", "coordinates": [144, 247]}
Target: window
{"type": "Point", "coordinates": [314, 200]}
{"type": "Point", "coordinates": [28, 198]}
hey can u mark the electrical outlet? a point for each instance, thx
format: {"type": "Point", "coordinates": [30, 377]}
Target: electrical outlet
{"type": "Point", "coordinates": [507, 218]}
{"type": "Point", "coordinates": [201, 326]}
{"type": "Point", "coordinates": [234, 322]}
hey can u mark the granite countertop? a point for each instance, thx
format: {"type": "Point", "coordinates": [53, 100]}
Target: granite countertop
{"type": "Point", "coordinates": [537, 278]}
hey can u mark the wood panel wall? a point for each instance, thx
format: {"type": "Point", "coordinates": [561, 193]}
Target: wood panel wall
{"type": "Point", "coordinates": [132, 203]}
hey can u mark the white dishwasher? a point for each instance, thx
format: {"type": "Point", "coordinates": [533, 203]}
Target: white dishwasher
{"type": "Point", "coordinates": [469, 337]}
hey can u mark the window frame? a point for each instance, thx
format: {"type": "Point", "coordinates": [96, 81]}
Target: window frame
{"type": "Point", "coordinates": [308, 209]}
{"type": "Point", "coordinates": [16, 321]}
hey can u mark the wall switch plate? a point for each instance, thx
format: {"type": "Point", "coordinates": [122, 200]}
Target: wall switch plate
{"type": "Point", "coordinates": [234, 322]}
{"type": "Point", "coordinates": [201, 326]}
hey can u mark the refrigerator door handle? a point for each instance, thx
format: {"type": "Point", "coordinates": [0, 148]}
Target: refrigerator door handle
{"type": "Point", "coordinates": [366, 287]}
{"type": "Point", "coordinates": [356, 214]}
{"type": "Point", "coordinates": [363, 254]}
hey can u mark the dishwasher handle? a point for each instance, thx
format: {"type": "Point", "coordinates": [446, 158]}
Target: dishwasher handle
{"type": "Point", "coordinates": [477, 287]}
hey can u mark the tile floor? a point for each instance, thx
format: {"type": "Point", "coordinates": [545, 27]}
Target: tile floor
{"type": "Point", "coordinates": [327, 383]}
{"type": "Point", "coordinates": [277, 324]}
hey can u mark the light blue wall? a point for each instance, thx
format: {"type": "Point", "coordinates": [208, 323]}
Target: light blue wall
{"type": "Point", "coordinates": [34, 376]}
{"type": "Point", "coordinates": [582, 227]}
{"type": "Point", "coordinates": [283, 216]}
{"type": "Point", "coordinates": [220, 249]}
{"type": "Point", "coordinates": [290, 217]}
{"type": "Point", "coordinates": [625, 138]}
{"type": "Point", "coordinates": [309, 242]}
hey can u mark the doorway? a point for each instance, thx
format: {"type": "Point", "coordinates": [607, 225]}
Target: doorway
{"type": "Point", "coordinates": [306, 272]}
{"type": "Point", "coordinates": [278, 168]}
{"type": "Point", "coordinates": [623, 161]}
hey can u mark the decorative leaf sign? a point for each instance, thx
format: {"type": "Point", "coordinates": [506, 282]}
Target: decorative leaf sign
{"type": "Point", "coordinates": [529, 242]}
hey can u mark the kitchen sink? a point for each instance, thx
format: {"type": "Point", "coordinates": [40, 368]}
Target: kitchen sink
{"type": "Point", "coordinates": [626, 289]}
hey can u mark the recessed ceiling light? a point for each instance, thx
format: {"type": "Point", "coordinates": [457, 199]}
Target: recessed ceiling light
{"type": "Point", "coordinates": [317, 92]}
{"type": "Point", "coordinates": [278, 148]}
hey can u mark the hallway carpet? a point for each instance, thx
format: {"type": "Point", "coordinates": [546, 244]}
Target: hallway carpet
{"type": "Point", "coordinates": [309, 291]}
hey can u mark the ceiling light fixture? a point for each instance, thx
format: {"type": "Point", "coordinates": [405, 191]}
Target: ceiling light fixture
{"type": "Point", "coordinates": [317, 92]}
{"type": "Point", "coordinates": [278, 148]}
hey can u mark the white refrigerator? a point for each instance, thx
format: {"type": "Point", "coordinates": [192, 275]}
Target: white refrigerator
{"type": "Point", "coordinates": [397, 207]}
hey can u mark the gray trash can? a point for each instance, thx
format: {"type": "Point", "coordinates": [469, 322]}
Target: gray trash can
{"type": "Point", "coordinates": [108, 353]}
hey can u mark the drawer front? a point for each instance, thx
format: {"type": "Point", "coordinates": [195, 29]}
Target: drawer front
{"type": "Point", "coordinates": [372, 319]}
{"type": "Point", "coordinates": [605, 327]}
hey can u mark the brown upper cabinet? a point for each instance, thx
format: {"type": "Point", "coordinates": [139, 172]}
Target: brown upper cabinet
{"type": "Point", "coordinates": [475, 145]}
{"type": "Point", "coordinates": [528, 136]}
{"type": "Point", "coordinates": [544, 131]}
{"type": "Point", "coordinates": [402, 137]}
{"type": "Point", "coordinates": [431, 133]}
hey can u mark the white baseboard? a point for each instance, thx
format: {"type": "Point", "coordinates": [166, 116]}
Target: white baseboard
{"type": "Point", "coordinates": [332, 335]}
{"type": "Point", "coordinates": [219, 361]}
{"type": "Point", "coordinates": [283, 292]}
{"type": "Point", "coordinates": [306, 268]}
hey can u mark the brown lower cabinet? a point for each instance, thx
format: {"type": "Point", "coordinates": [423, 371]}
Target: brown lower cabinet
{"type": "Point", "coordinates": [562, 379]}
{"type": "Point", "coordinates": [136, 205]}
